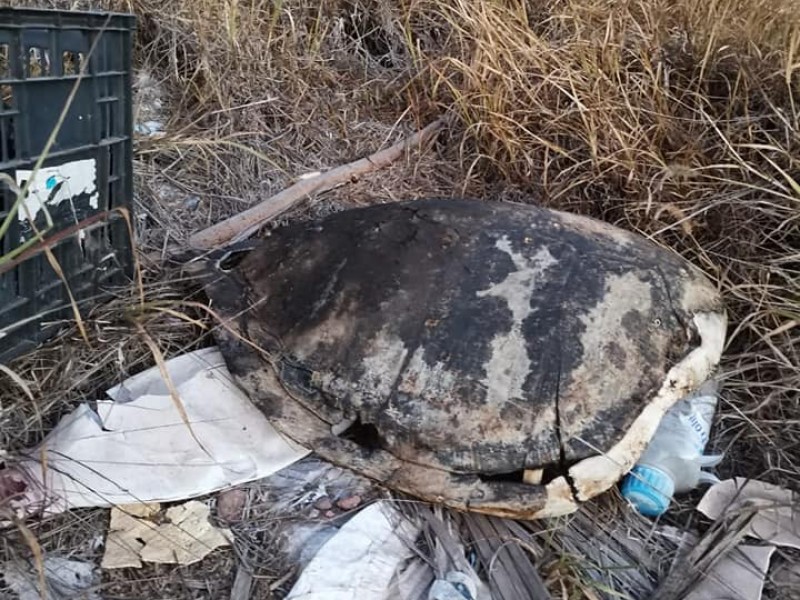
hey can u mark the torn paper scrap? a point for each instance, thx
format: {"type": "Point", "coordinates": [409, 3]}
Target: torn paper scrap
{"type": "Point", "coordinates": [359, 562]}
{"type": "Point", "coordinates": [138, 448]}
{"type": "Point", "coordinates": [185, 537]}
{"type": "Point", "coordinates": [126, 532]}
{"type": "Point", "coordinates": [64, 578]}
{"type": "Point", "coordinates": [778, 518]}
{"type": "Point", "coordinates": [739, 575]}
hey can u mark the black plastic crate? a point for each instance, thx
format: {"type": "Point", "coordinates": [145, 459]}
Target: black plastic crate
{"type": "Point", "coordinates": [85, 176]}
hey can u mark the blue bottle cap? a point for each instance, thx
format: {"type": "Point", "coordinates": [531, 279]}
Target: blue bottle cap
{"type": "Point", "coordinates": [649, 489]}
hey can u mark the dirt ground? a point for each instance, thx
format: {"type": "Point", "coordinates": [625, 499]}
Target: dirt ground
{"type": "Point", "coordinates": [678, 120]}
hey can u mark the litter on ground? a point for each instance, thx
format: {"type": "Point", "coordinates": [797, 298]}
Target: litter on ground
{"type": "Point", "coordinates": [168, 132]}
{"type": "Point", "coordinates": [776, 510]}
{"type": "Point", "coordinates": [370, 554]}
{"type": "Point", "coordinates": [360, 560]}
{"type": "Point", "coordinates": [64, 579]}
{"type": "Point", "coordinates": [184, 535]}
{"type": "Point", "coordinates": [136, 447]}
{"type": "Point", "coordinates": [739, 575]}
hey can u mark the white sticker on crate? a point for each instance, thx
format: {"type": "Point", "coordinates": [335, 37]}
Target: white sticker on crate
{"type": "Point", "coordinates": [56, 184]}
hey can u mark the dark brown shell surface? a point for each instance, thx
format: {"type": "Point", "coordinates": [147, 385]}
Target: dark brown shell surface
{"type": "Point", "coordinates": [467, 336]}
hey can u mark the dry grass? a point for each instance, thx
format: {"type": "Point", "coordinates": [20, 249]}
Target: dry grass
{"type": "Point", "coordinates": [676, 119]}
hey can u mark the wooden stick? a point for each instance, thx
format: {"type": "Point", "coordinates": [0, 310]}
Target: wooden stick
{"type": "Point", "coordinates": [244, 224]}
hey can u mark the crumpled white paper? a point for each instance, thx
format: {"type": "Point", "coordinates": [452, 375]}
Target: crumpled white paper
{"type": "Point", "coordinates": [358, 563]}
{"type": "Point", "coordinates": [136, 447]}
{"type": "Point", "coordinates": [777, 518]}
{"type": "Point", "coordinates": [741, 573]}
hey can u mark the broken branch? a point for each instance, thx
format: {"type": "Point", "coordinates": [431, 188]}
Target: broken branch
{"type": "Point", "coordinates": [244, 224]}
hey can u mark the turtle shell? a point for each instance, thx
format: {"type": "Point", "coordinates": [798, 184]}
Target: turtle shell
{"type": "Point", "coordinates": [521, 352]}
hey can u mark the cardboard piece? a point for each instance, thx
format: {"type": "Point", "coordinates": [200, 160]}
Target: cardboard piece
{"type": "Point", "coordinates": [185, 537]}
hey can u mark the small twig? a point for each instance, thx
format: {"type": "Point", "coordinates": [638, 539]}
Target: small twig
{"type": "Point", "coordinates": [244, 224]}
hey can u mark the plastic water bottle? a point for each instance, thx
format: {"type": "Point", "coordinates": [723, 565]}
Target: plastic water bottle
{"type": "Point", "coordinates": [673, 461]}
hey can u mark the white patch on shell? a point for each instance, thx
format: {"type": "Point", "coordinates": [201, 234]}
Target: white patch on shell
{"type": "Point", "coordinates": [383, 363]}
{"type": "Point", "coordinates": [509, 364]}
{"type": "Point", "coordinates": [422, 379]}
{"type": "Point", "coordinates": [596, 474]}
{"type": "Point", "coordinates": [603, 325]}
{"type": "Point", "coordinates": [623, 293]}
{"type": "Point", "coordinates": [591, 226]}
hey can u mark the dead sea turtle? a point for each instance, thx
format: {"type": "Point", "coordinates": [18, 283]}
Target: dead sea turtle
{"type": "Point", "coordinates": [494, 357]}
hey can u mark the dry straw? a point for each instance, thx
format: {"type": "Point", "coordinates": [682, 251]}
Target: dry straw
{"type": "Point", "coordinates": [677, 119]}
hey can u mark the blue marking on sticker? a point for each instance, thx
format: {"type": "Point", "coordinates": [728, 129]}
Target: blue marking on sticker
{"type": "Point", "coordinates": [51, 182]}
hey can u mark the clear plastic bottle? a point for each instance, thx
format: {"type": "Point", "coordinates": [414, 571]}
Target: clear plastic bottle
{"type": "Point", "coordinates": [673, 461]}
